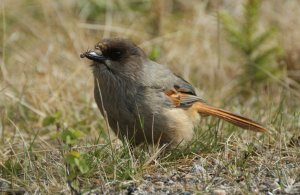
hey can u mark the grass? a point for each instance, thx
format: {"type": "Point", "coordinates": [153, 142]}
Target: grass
{"type": "Point", "coordinates": [46, 99]}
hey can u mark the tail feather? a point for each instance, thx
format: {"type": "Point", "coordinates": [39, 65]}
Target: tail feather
{"type": "Point", "coordinates": [229, 117]}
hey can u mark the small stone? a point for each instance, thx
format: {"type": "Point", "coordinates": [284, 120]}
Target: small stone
{"type": "Point", "coordinates": [147, 177]}
{"type": "Point", "coordinates": [3, 185]}
{"type": "Point", "coordinates": [198, 169]}
{"type": "Point", "coordinates": [188, 176]}
{"type": "Point", "coordinates": [166, 190]}
{"type": "Point", "coordinates": [219, 192]}
{"type": "Point", "coordinates": [159, 183]}
{"type": "Point", "coordinates": [131, 189]}
{"type": "Point", "coordinates": [185, 193]}
{"type": "Point", "coordinates": [170, 182]}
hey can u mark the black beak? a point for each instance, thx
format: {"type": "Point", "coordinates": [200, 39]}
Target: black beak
{"type": "Point", "coordinates": [92, 55]}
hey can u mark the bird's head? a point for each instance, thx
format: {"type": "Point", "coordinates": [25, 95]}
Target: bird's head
{"type": "Point", "coordinates": [116, 54]}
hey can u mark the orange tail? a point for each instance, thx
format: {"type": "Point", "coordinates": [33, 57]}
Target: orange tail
{"type": "Point", "coordinates": [230, 117]}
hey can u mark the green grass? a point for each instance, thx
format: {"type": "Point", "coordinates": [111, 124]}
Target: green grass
{"type": "Point", "coordinates": [54, 140]}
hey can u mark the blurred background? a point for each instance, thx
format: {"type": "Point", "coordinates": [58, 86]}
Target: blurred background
{"type": "Point", "coordinates": [242, 55]}
{"type": "Point", "coordinates": [235, 52]}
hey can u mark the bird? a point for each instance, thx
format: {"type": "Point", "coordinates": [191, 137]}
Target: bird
{"type": "Point", "coordinates": [144, 101]}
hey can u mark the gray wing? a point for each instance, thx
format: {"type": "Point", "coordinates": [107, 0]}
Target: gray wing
{"type": "Point", "coordinates": [161, 78]}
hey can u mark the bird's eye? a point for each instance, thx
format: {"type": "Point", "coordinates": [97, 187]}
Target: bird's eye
{"type": "Point", "coordinates": [115, 54]}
